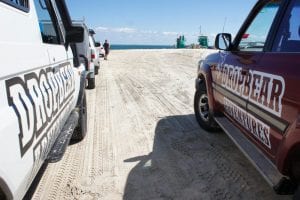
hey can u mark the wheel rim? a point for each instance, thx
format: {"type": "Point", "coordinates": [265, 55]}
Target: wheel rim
{"type": "Point", "coordinates": [203, 107]}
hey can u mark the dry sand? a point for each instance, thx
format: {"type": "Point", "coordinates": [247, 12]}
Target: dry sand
{"type": "Point", "coordinates": [143, 141]}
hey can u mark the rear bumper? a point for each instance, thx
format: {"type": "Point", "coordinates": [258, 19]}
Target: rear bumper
{"type": "Point", "coordinates": [91, 72]}
{"type": "Point", "coordinates": [90, 75]}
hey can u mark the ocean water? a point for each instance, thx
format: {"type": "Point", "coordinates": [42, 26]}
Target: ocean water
{"type": "Point", "coordinates": [123, 46]}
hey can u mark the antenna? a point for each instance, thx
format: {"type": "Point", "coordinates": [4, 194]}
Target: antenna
{"type": "Point", "coordinates": [200, 30]}
{"type": "Point", "coordinates": [225, 20]}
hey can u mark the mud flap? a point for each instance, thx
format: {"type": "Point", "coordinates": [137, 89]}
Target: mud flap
{"type": "Point", "coordinates": [64, 137]}
{"type": "Point", "coordinates": [285, 187]}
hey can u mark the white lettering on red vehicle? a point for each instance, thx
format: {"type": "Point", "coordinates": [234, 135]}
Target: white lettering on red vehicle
{"type": "Point", "coordinates": [38, 99]}
{"type": "Point", "coordinates": [263, 89]}
{"type": "Point", "coordinates": [257, 128]}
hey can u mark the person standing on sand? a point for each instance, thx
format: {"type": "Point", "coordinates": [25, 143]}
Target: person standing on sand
{"type": "Point", "coordinates": [106, 49]}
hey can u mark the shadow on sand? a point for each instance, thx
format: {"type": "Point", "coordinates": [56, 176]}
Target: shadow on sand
{"type": "Point", "coordinates": [189, 163]}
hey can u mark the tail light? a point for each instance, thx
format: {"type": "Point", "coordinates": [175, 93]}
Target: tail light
{"type": "Point", "coordinates": [93, 56]}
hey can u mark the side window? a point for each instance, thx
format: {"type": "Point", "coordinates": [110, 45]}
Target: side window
{"type": "Point", "coordinates": [20, 4]}
{"type": "Point", "coordinates": [47, 26]}
{"type": "Point", "coordinates": [23, 3]}
{"type": "Point", "coordinates": [256, 35]}
{"type": "Point", "coordinates": [288, 35]}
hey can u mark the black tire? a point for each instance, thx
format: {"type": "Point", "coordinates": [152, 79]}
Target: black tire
{"type": "Point", "coordinates": [91, 83]}
{"type": "Point", "coordinates": [295, 171]}
{"type": "Point", "coordinates": [201, 108]}
{"type": "Point", "coordinates": [2, 195]}
{"type": "Point", "coordinates": [97, 70]}
{"type": "Point", "coordinates": [80, 130]}
{"type": "Point", "coordinates": [296, 195]}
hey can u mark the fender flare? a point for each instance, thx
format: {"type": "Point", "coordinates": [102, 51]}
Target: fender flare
{"type": "Point", "coordinates": [287, 151]}
{"type": "Point", "coordinates": [205, 76]}
{"type": "Point", "coordinates": [5, 189]}
{"type": "Point", "coordinates": [82, 88]}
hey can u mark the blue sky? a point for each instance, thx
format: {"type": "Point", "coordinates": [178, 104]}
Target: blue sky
{"type": "Point", "coordinates": [160, 21]}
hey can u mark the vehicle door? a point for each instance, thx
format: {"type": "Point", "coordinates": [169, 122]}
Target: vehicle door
{"type": "Point", "coordinates": [56, 81]}
{"type": "Point", "coordinates": [278, 83]}
{"type": "Point", "coordinates": [237, 76]}
{"type": "Point", "coordinates": [22, 58]}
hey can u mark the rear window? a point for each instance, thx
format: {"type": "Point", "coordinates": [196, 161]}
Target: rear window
{"type": "Point", "coordinates": [19, 4]}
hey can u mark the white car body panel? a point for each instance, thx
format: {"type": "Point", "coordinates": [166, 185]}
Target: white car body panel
{"type": "Point", "coordinates": [101, 51]}
{"type": "Point", "coordinates": [94, 51]}
{"type": "Point", "coordinates": [22, 53]}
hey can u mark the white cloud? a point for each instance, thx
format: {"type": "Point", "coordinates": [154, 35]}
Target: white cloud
{"type": "Point", "coordinates": [129, 30]}
{"type": "Point", "coordinates": [124, 30]}
{"type": "Point", "coordinates": [169, 33]}
{"type": "Point", "coordinates": [102, 29]}
{"type": "Point", "coordinates": [149, 32]}
{"type": "Point", "coordinates": [120, 35]}
{"type": "Point", "coordinates": [116, 30]}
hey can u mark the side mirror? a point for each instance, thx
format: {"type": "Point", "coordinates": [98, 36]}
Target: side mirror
{"type": "Point", "coordinates": [97, 44]}
{"type": "Point", "coordinates": [92, 32]}
{"type": "Point", "coordinates": [223, 41]}
{"type": "Point", "coordinates": [75, 35]}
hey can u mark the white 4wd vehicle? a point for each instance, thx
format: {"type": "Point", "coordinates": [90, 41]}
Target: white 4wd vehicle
{"type": "Point", "coordinates": [94, 51]}
{"type": "Point", "coordinates": [42, 96]}
{"type": "Point", "coordinates": [84, 51]}
{"type": "Point", "coordinates": [100, 48]}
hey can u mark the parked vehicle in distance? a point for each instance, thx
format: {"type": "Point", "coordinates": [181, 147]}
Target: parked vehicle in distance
{"type": "Point", "coordinates": [42, 90]}
{"type": "Point", "coordinates": [85, 53]}
{"type": "Point", "coordinates": [100, 48]}
{"type": "Point", "coordinates": [94, 51]}
{"type": "Point", "coordinates": [250, 90]}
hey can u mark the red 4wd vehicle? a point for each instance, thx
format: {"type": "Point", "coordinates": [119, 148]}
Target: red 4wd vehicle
{"type": "Point", "coordinates": [252, 91]}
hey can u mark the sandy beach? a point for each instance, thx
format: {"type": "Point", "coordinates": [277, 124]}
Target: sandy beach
{"type": "Point", "coordinates": [143, 141]}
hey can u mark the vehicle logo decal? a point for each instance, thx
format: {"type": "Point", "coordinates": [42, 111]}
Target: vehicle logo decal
{"type": "Point", "coordinates": [37, 98]}
{"type": "Point", "coordinates": [263, 89]}
{"type": "Point", "coordinates": [272, 120]}
{"type": "Point", "coordinates": [257, 128]}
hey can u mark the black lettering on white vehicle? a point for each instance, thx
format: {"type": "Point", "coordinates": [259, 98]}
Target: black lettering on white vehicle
{"type": "Point", "coordinates": [37, 99]}
{"type": "Point", "coordinates": [32, 83]}
{"type": "Point", "coordinates": [19, 100]}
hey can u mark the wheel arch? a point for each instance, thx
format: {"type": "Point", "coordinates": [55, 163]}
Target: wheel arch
{"type": "Point", "coordinates": [82, 88]}
{"type": "Point", "coordinates": [204, 76]}
{"type": "Point", "coordinates": [292, 162]}
{"type": "Point", "coordinates": [5, 192]}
